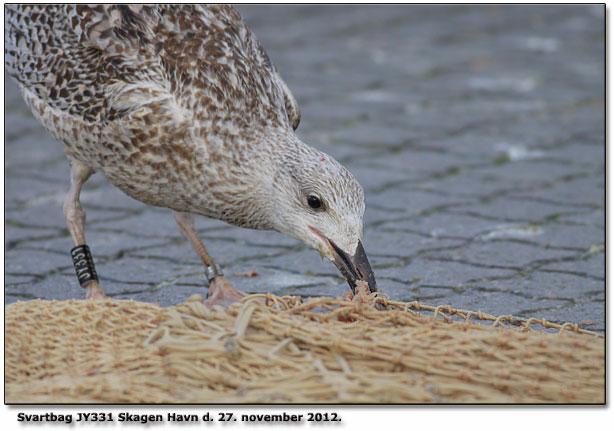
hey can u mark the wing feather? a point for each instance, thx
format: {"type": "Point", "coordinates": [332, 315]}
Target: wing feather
{"type": "Point", "coordinates": [100, 62]}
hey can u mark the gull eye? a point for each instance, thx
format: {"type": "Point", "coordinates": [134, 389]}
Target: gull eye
{"type": "Point", "coordinates": [314, 202]}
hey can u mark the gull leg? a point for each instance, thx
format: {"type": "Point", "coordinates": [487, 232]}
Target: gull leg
{"type": "Point", "coordinates": [221, 291]}
{"type": "Point", "coordinates": [75, 220]}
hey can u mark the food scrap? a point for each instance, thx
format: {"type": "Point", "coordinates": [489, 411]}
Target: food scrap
{"type": "Point", "coordinates": [246, 274]}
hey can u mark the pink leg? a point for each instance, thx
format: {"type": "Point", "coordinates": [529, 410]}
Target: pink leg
{"type": "Point", "coordinates": [75, 218]}
{"type": "Point", "coordinates": [221, 291]}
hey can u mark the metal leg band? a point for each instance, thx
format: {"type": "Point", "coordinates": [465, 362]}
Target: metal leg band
{"type": "Point", "coordinates": [213, 271]}
{"type": "Point", "coordinates": [84, 264]}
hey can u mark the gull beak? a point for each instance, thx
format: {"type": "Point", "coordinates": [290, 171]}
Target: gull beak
{"type": "Point", "coordinates": [352, 267]}
{"type": "Point", "coordinates": [355, 267]}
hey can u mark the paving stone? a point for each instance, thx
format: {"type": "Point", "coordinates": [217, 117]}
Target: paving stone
{"type": "Point", "coordinates": [517, 210]}
{"type": "Point", "coordinates": [586, 266]}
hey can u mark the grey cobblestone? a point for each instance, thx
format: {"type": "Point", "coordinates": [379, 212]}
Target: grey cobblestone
{"type": "Point", "coordinates": [477, 132]}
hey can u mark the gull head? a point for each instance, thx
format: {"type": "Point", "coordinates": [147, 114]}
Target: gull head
{"type": "Point", "coordinates": [319, 202]}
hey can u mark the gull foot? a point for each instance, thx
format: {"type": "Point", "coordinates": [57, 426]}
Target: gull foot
{"type": "Point", "coordinates": [222, 292]}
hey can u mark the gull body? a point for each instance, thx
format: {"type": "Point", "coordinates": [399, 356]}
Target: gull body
{"type": "Point", "coordinates": [181, 107]}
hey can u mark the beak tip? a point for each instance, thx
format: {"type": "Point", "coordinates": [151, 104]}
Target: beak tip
{"type": "Point", "coordinates": [363, 268]}
{"type": "Point", "coordinates": [353, 267]}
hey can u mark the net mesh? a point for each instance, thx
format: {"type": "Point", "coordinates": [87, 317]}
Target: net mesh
{"type": "Point", "coordinates": [271, 349]}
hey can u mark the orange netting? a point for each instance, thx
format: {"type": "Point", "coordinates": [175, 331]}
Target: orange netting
{"type": "Point", "coordinates": [271, 349]}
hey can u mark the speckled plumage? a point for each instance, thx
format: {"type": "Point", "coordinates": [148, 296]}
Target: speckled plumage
{"type": "Point", "coordinates": [180, 107]}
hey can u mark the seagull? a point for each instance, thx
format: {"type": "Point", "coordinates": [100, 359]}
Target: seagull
{"type": "Point", "coordinates": [181, 107]}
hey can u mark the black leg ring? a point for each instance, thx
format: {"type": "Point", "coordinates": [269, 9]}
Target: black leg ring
{"type": "Point", "coordinates": [84, 264]}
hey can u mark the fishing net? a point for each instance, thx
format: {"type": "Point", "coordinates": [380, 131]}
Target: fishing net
{"type": "Point", "coordinates": [271, 349]}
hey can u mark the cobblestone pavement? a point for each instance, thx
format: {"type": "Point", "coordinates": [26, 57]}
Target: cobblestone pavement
{"type": "Point", "coordinates": [477, 133]}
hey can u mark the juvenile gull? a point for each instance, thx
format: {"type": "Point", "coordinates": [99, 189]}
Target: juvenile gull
{"type": "Point", "coordinates": [180, 107]}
